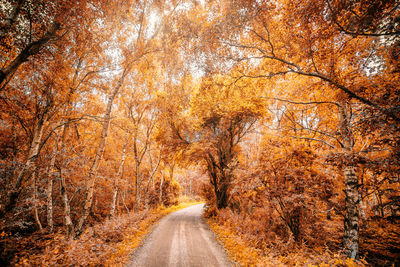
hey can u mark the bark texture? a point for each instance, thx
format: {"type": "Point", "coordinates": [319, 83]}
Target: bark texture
{"type": "Point", "coordinates": [219, 180]}
{"type": "Point", "coordinates": [351, 221]}
{"type": "Point", "coordinates": [98, 157]}
{"type": "Point", "coordinates": [153, 172]}
{"type": "Point", "coordinates": [35, 210]}
{"type": "Point", "coordinates": [64, 195]}
{"type": "Point", "coordinates": [49, 191]}
{"type": "Point", "coordinates": [27, 169]}
{"type": "Point", "coordinates": [118, 177]}
{"type": "Point", "coordinates": [352, 212]}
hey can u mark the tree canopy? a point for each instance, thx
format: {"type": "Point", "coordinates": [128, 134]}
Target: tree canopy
{"type": "Point", "coordinates": [283, 115]}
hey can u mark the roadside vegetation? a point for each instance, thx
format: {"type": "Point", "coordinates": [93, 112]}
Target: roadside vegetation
{"type": "Point", "coordinates": [109, 243]}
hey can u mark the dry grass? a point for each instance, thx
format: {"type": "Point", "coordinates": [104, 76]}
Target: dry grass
{"type": "Point", "coordinates": [109, 243]}
{"type": "Point", "coordinates": [238, 251]}
{"type": "Point", "coordinates": [243, 253]}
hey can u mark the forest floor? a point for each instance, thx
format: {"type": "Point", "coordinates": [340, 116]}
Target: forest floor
{"type": "Point", "coordinates": [243, 248]}
{"type": "Point", "coordinates": [109, 243]}
{"type": "Point", "coordinates": [181, 239]}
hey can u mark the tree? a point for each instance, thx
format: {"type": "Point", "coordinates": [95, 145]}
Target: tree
{"type": "Point", "coordinates": [220, 117]}
{"type": "Point", "coordinates": [327, 41]}
{"type": "Point", "coordinates": [29, 27]}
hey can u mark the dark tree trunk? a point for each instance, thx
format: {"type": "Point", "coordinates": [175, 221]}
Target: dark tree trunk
{"type": "Point", "coordinates": [352, 196]}
{"type": "Point", "coordinates": [222, 198]}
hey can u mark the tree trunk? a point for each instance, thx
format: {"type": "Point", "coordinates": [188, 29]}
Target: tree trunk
{"type": "Point", "coordinates": [98, 157]}
{"type": "Point", "coordinates": [161, 188]}
{"type": "Point", "coordinates": [35, 211]}
{"type": "Point", "coordinates": [190, 187]}
{"type": "Point", "coordinates": [64, 195]}
{"type": "Point", "coordinates": [122, 195]}
{"type": "Point", "coordinates": [117, 204]}
{"type": "Point", "coordinates": [219, 182]}
{"type": "Point", "coordinates": [352, 213]}
{"type": "Point", "coordinates": [221, 194]}
{"type": "Point", "coordinates": [119, 176]}
{"type": "Point", "coordinates": [380, 203]}
{"type": "Point", "coordinates": [114, 202]}
{"type": "Point", "coordinates": [138, 199]}
{"type": "Point", "coordinates": [137, 191]}
{"type": "Point", "coordinates": [49, 191]}
{"type": "Point", "coordinates": [351, 220]}
{"type": "Point", "coordinates": [363, 207]}
{"type": "Point", "coordinates": [146, 201]}
{"type": "Point", "coordinates": [153, 172]}
{"type": "Point", "coordinates": [376, 204]}
{"type": "Point", "coordinates": [26, 170]}
{"type": "Point", "coordinates": [15, 150]}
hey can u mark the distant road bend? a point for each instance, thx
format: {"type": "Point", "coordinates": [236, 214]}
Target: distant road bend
{"type": "Point", "coordinates": [181, 239]}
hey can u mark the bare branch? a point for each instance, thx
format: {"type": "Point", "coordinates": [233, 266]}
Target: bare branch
{"type": "Point", "coordinates": [302, 103]}
{"type": "Point", "coordinates": [313, 139]}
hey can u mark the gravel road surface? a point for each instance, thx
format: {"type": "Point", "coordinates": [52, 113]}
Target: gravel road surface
{"type": "Point", "coordinates": [181, 239]}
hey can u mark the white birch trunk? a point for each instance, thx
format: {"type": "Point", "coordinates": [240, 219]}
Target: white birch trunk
{"type": "Point", "coordinates": [35, 210]}
{"type": "Point", "coordinates": [352, 212]}
{"type": "Point", "coordinates": [98, 157]}
{"type": "Point", "coordinates": [49, 191]}
{"type": "Point", "coordinates": [26, 170]}
{"type": "Point", "coordinates": [118, 177]}
{"type": "Point", "coordinates": [161, 188]}
{"type": "Point", "coordinates": [64, 195]}
{"type": "Point", "coordinates": [153, 172]}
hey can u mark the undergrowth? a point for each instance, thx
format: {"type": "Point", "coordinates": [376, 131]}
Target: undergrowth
{"type": "Point", "coordinates": [244, 251]}
{"type": "Point", "coordinates": [109, 243]}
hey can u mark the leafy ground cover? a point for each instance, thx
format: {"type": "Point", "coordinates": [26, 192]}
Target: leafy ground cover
{"type": "Point", "coordinates": [246, 252]}
{"type": "Point", "coordinates": [109, 243]}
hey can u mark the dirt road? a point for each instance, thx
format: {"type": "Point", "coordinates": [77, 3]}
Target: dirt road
{"type": "Point", "coordinates": [181, 239]}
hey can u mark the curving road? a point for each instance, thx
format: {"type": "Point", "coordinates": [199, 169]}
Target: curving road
{"type": "Point", "coordinates": [181, 239]}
